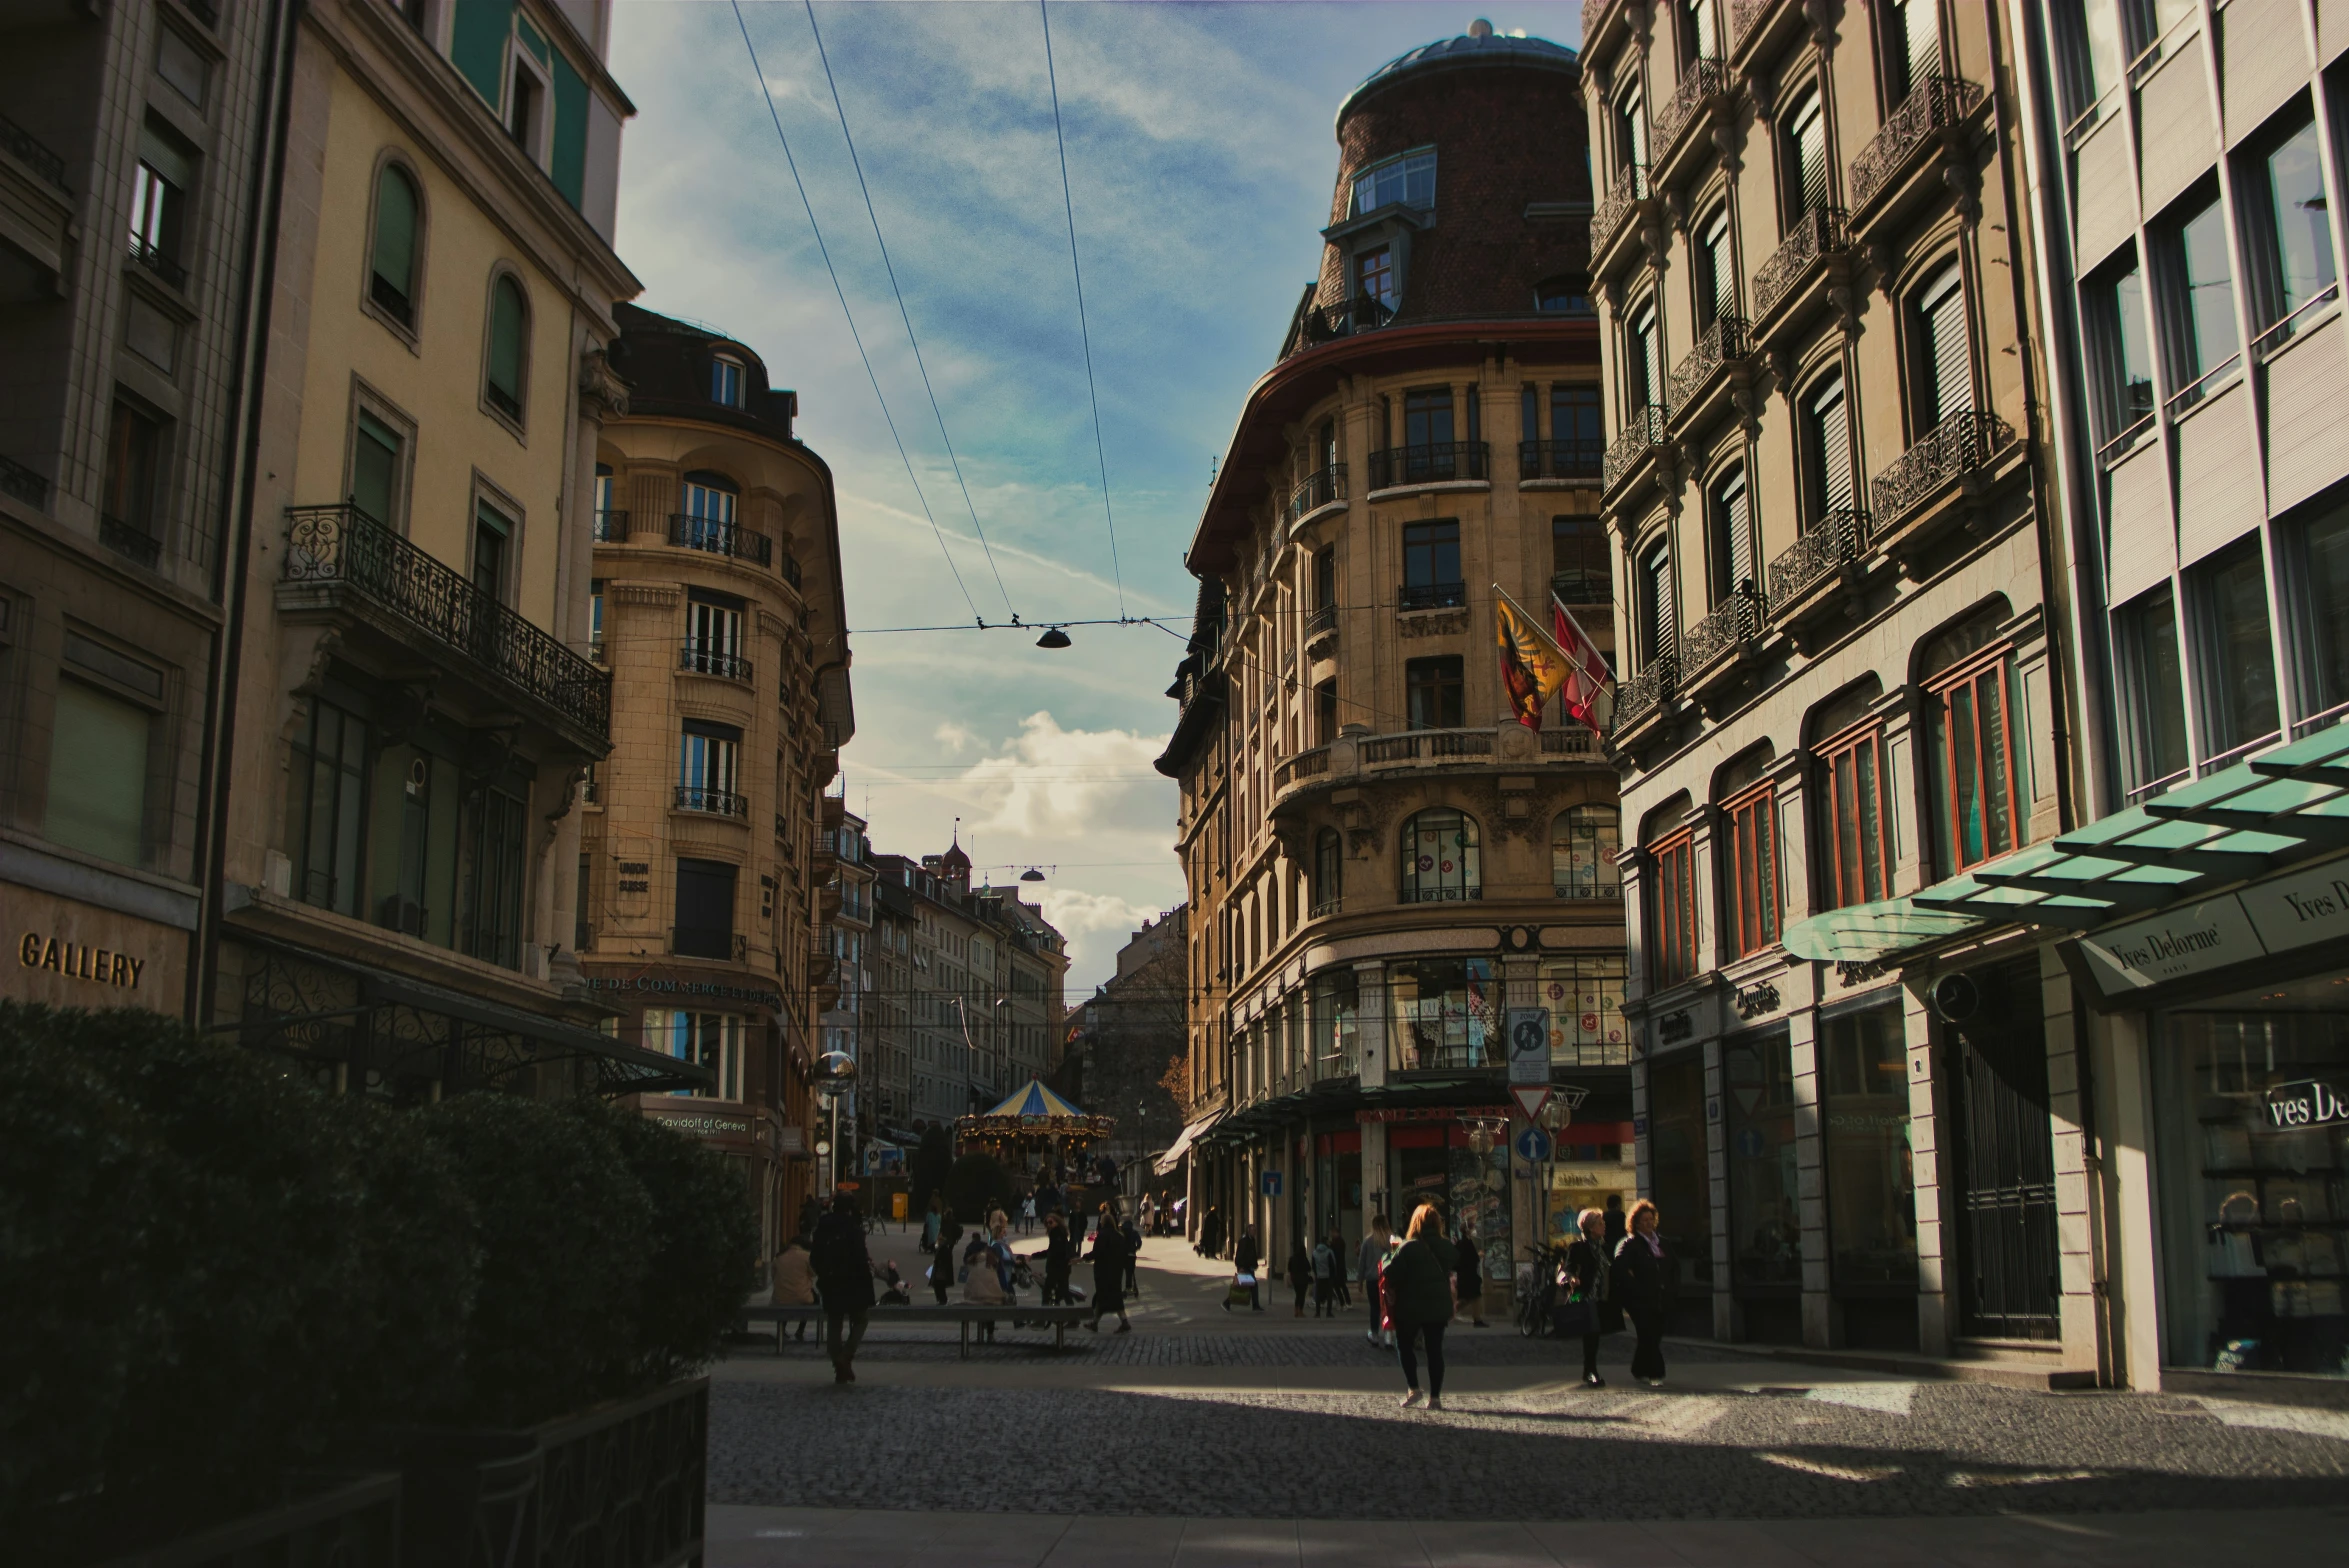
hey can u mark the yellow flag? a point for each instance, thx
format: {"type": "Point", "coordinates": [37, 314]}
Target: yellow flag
{"type": "Point", "coordinates": [1532, 668]}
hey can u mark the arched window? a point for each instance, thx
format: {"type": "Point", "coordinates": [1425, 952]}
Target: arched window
{"type": "Point", "coordinates": [1328, 871]}
{"type": "Point", "coordinates": [509, 331]}
{"type": "Point", "coordinates": [1440, 858]}
{"type": "Point", "coordinates": [392, 278]}
{"type": "Point", "coordinates": [1583, 842]}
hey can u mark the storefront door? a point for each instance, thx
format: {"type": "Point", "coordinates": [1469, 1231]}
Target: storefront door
{"type": "Point", "coordinates": [1871, 1185]}
{"type": "Point", "coordinates": [1682, 1183]}
{"type": "Point", "coordinates": [1765, 1216]}
{"type": "Point", "coordinates": [2005, 1155]}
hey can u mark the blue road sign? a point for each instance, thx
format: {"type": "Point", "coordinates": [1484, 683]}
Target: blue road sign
{"type": "Point", "coordinates": [1533, 1145]}
{"type": "Point", "coordinates": [1272, 1184]}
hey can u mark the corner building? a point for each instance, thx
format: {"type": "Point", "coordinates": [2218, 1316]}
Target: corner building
{"type": "Point", "coordinates": [1844, 603]}
{"type": "Point", "coordinates": [1384, 867]}
{"type": "Point", "coordinates": [712, 867]}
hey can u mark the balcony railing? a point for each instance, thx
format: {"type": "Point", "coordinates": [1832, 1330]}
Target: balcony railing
{"type": "Point", "coordinates": [343, 546]}
{"type": "Point", "coordinates": [1820, 233]}
{"type": "Point", "coordinates": [129, 539]}
{"type": "Point", "coordinates": [718, 538]}
{"type": "Point", "coordinates": [154, 259]}
{"type": "Point", "coordinates": [1725, 340]}
{"type": "Point", "coordinates": [1431, 596]}
{"type": "Point", "coordinates": [21, 482]}
{"type": "Point", "coordinates": [1734, 623]}
{"type": "Point", "coordinates": [608, 527]}
{"type": "Point", "coordinates": [1304, 765]}
{"type": "Point", "coordinates": [1647, 691]}
{"type": "Point", "coordinates": [1573, 741]}
{"type": "Point", "coordinates": [1321, 623]}
{"type": "Point", "coordinates": [1432, 463]}
{"type": "Point", "coordinates": [1831, 544]}
{"type": "Point", "coordinates": [1560, 459]}
{"type": "Point", "coordinates": [1706, 80]}
{"type": "Point", "coordinates": [1642, 433]}
{"type": "Point", "coordinates": [1744, 16]}
{"type": "Point", "coordinates": [788, 565]}
{"type": "Point", "coordinates": [701, 658]}
{"type": "Point", "coordinates": [1626, 190]}
{"type": "Point", "coordinates": [1609, 886]}
{"type": "Point", "coordinates": [1935, 105]}
{"type": "Point", "coordinates": [1590, 585]}
{"type": "Point", "coordinates": [1327, 323]}
{"type": "Point", "coordinates": [1426, 746]}
{"type": "Point", "coordinates": [1957, 446]}
{"type": "Point", "coordinates": [34, 153]}
{"type": "Point", "coordinates": [1320, 489]}
{"type": "Point", "coordinates": [715, 802]}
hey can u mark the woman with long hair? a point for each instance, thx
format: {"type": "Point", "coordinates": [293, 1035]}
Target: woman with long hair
{"type": "Point", "coordinates": [1642, 1287]}
{"type": "Point", "coordinates": [1418, 1283]}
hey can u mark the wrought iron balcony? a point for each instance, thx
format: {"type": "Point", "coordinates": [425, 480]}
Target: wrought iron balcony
{"type": "Point", "coordinates": [129, 539]}
{"type": "Point", "coordinates": [21, 482]}
{"type": "Point", "coordinates": [1735, 623]}
{"type": "Point", "coordinates": [789, 567]}
{"type": "Point", "coordinates": [1725, 340]}
{"type": "Point", "coordinates": [716, 802]}
{"type": "Point", "coordinates": [343, 549]}
{"type": "Point", "coordinates": [1831, 544]}
{"type": "Point", "coordinates": [154, 259]}
{"type": "Point", "coordinates": [1321, 623]}
{"type": "Point", "coordinates": [1321, 324]}
{"type": "Point", "coordinates": [609, 527]}
{"type": "Point", "coordinates": [1560, 459]}
{"type": "Point", "coordinates": [1705, 81]}
{"type": "Point", "coordinates": [1431, 463]}
{"type": "Point", "coordinates": [1431, 596]}
{"type": "Point", "coordinates": [1645, 694]}
{"type": "Point", "coordinates": [1935, 105]}
{"type": "Point", "coordinates": [1625, 191]}
{"type": "Point", "coordinates": [1589, 585]}
{"type": "Point", "coordinates": [702, 658]}
{"type": "Point", "coordinates": [1959, 445]}
{"type": "Point", "coordinates": [1320, 489]}
{"type": "Point", "coordinates": [718, 538]}
{"type": "Point", "coordinates": [1821, 233]}
{"type": "Point", "coordinates": [1745, 16]}
{"type": "Point", "coordinates": [1642, 433]}
{"type": "Point", "coordinates": [33, 153]}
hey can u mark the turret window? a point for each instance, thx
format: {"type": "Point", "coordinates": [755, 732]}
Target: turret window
{"type": "Point", "coordinates": [1409, 179]}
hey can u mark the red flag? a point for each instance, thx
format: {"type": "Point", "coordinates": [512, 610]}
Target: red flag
{"type": "Point", "coordinates": [1588, 695]}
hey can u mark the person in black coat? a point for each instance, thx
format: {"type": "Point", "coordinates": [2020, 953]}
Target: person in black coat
{"type": "Point", "coordinates": [1059, 1254]}
{"type": "Point", "coordinates": [1113, 1254]}
{"type": "Point", "coordinates": [1642, 1286]}
{"type": "Point", "coordinates": [1586, 1280]}
{"type": "Point", "coordinates": [1245, 1257]}
{"type": "Point", "coordinates": [844, 1273]}
{"type": "Point", "coordinates": [942, 1267]}
{"type": "Point", "coordinates": [1468, 1273]}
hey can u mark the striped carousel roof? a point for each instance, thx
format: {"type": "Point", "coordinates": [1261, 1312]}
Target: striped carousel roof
{"type": "Point", "coordinates": [1033, 1099]}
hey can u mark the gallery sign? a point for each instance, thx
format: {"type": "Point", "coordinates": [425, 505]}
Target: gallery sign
{"type": "Point", "coordinates": [2299, 909]}
{"type": "Point", "coordinates": [2311, 1102]}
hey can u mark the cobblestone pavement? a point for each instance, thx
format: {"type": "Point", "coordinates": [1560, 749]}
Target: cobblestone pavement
{"type": "Point", "coordinates": [1858, 1449]}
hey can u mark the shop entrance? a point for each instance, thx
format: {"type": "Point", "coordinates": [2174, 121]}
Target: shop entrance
{"type": "Point", "coordinates": [1434, 1164]}
{"type": "Point", "coordinates": [2005, 1199]}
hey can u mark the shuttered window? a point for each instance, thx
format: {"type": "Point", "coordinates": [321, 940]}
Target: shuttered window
{"type": "Point", "coordinates": [1733, 537]}
{"type": "Point", "coordinates": [1704, 33]}
{"type": "Point", "coordinates": [1807, 141]}
{"type": "Point", "coordinates": [1647, 371]}
{"type": "Point", "coordinates": [1716, 275]}
{"type": "Point", "coordinates": [1947, 371]}
{"type": "Point", "coordinates": [1920, 43]}
{"type": "Point", "coordinates": [1656, 581]}
{"type": "Point", "coordinates": [1829, 425]}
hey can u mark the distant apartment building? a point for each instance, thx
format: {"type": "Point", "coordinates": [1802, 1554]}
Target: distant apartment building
{"type": "Point", "coordinates": [1120, 1044]}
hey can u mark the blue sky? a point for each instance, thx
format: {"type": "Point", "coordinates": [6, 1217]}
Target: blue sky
{"type": "Point", "coordinates": [1200, 157]}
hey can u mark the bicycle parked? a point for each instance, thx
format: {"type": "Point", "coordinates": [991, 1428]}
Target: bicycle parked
{"type": "Point", "coordinates": [1539, 1280]}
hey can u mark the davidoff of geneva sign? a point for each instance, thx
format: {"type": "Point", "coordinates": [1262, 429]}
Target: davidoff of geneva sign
{"type": "Point", "coordinates": [2298, 909]}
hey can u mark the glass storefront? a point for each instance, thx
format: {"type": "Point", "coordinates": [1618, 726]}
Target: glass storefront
{"type": "Point", "coordinates": [1585, 997]}
{"type": "Point", "coordinates": [1871, 1185]}
{"type": "Point", "coordinates": [1765, 1218]}
{"type": "Point", "coordinates": [1682, 1182]}
{"type": "Point", "coordinates": [1432, 1163]}
{"type": "Point", "coordinates": [1441, 1014]}
{"type": "Point", "coordinates": [1584, 1176]}
{"type": "Point", "coordinates": [2253, 1096]}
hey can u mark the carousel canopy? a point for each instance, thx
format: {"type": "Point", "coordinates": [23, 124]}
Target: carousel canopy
{"type": "Point", "coordinates": [1033, 1099]}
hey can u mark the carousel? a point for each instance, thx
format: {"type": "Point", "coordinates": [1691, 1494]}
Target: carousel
{"type": "Point", "coordinates": [1033, 1128]}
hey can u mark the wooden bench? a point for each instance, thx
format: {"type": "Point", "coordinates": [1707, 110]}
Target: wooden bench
{"type": "Point", "coordinates": [965, 1315]}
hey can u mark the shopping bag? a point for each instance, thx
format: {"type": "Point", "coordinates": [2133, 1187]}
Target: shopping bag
{"type": "Point", "coordinates": [1238, 1295]}
{"type": "Point", "coordinates": [1575, 1316]}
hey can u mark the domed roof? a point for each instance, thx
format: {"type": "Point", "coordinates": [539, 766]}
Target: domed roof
{"type": "Point", "coordinates": [1480, 45]}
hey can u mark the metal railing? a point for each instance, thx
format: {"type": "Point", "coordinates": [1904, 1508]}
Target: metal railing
{"type": "Point", "coordinates": [1321, 324]}
{"type": "Point", "coordinates": [1626, 190]}
{"type": "Point", "coordinates": [342, 546]}
{"type": "Point", "coordinates": [1646, 691]}
{"type": "Point", "coordinates": [1734, 622]}
{"type": "Point", "coordinates": [1321, 622]}
{"type": "Point", "coordinates": [1568, 459]}
{"type": "Point", "coordinates": [1705, 81]}
{"type": "Point", "coordinates": [608, 527]}
{"type": "Point", "coordinates": [1744, 17]}
{"type": "Point", "coordinates": [1725, 340]}
{"type": "Point", "coordinates": [2128, 440]}
{"type": "Point", "coordinates": [153, 258]}
{"type": "Point", "coordinates": [1592, 585]}
{"type": "Point", "coordinates": [788, 565]}
{"type": "Point", "coordinates": [21, 482]}
{"type": "Point", "coordinates": [2217, 378]}
{"type": "Point", "coordinates": [1932, 106]}
{"type": "Point", "coordinates": [1821, 232]}
{"type": "Point", "coordinates": [1829, 545]}
{"type": "Point", "coordinates": [1321, 488]}
{"type": "Point", "coordinates": [1430, 463]}
{"type": "Point", "coordinates": [34, 153]}
{"type": "Point", "coordinates": [1642, 433]}
{"type": "Point", "coordinates": [702, 658]}
{"type": "Point", "coordinates": [718, 538]}
{"type": "Point", "coordinates": [1431, 596]}
{"type": "Point", "coordinates": [1957, 446]}
{"type": "Point", "coordinates": [129, 539]}
{"type": "Point", "coordinates": [715, 802]}
{"type": "Point", "coordinates": [2295, 322]}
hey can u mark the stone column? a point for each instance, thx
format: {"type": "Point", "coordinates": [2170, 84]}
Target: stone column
{"type": "Point", "coordinates": [2124, 1109]}
{"type": "Point", "coordinates": [1934, 1308]}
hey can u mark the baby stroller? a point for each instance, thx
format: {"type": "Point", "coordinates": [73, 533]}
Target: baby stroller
{"type": "Point", "coordinates": [894, 1291]}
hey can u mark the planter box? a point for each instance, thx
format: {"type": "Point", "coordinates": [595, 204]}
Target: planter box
{"type": "Point", "coordinates": [352, 1524]}
{"type": "Point", "coordinates": [616, 1486]}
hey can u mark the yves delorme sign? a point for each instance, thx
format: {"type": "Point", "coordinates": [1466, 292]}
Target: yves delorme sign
{"type": "Point", "coordinates": [2275, 916]}
{"type": "Point", "coordinates": [2309, 1103]}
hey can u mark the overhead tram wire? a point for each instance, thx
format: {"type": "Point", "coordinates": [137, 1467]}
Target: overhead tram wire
{"type": "Point", "coordinates": [825, 251]}
{"type": "Point", "coordinates": [904, 315]}
{"type": "Point", "coordinates": [1084, 331]}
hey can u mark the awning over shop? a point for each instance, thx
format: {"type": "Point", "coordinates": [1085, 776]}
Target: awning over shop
{"type": "Point", "coordinates": [1164, 1165]}
{"type": "Point", "coordinates": [2277, 809]}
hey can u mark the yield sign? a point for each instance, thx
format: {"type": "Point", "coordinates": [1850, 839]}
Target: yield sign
{"type": "Point", "coordinates": [1530, 1099]}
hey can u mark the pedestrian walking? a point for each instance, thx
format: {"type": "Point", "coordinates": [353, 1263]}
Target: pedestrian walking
{"type": "Point", "coordinates": [1059, 1254]}
{"type": "Point", "coordinates": [1149, 1212]}
{"type": "Point", "coordinates": [1113, 1256]}
{"type": "Point", "coordinates": [795, 1284]}
{"type": "Point", "coordinates": [1245, 1257]}
{"type": "Point", "coordinates": [1300, 1271]}
{"type": "Point", "coordinates": [844, 1273]}
{"type": "Point", "coordinates": [930, 1225]}
{"type": "Point", "coordinates": [1211, 1233]}
{"type": "Point", "coordinates": [1326, 1268]}
{"type": "Point", "coordinates": [1470, 1274]}
{"type": "Point", "coordinates": [1133, 1236]}
{"type": "Point", "coordinates": [1027, 1213]}
{"type": "Point", "coordinates": [1370, 1262]}
{"type": "Point", "coordinates": [1586, 1288]}
{"type": "Point", "coordinates": [942, 1253]}
{"type": "Point", "coordinates": [1418, 1285]}
{"type": "Point", "coordinates": [1641, 1283]}
{"type": "Point", "coordinates": [1616, 1228]}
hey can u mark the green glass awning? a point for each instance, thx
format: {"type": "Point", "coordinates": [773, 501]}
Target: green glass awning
{"type": "Point", "coordinates": [2279, 808]}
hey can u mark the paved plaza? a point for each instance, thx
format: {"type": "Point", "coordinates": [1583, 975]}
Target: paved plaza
{"type": "Point", "coordinates": [1204, 1438]}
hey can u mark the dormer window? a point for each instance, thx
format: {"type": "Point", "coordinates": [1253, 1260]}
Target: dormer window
{"type": "Point", "coordinates": [1374, 276]}
{"type": "Point", "coordinates": [1409, 179]}
{"type": "Point", "coordinates": [726, 381]}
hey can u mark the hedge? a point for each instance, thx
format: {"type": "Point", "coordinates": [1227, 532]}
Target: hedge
{"type": "Point", "coordinates": [212, 1271]}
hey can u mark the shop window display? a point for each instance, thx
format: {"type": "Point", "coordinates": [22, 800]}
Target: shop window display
{"type": "Point", "coordinates": [1443, 1014]}
{"type": "Point", "coordinates": [1585, 997]}
{"type": "Point", "coordinates": [1871, 1183]}
{"type": "Point", "coordinates": [2254, 1101]}
{"type": "Point", "coordinates": [1480, 1190]}
{"type": "Point", "coordinates": [1766, 1235]}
